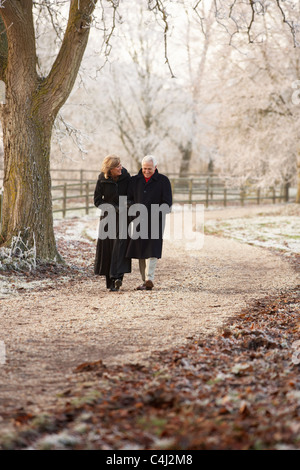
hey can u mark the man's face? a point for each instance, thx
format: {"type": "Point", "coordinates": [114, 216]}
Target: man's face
{"type": "Point", "coordinates": [148, 169]}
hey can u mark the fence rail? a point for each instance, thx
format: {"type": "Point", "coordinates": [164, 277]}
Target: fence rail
{"type": "Point", "coordinates": [62, 176]}
{"type": "Point", "coordinates": [73, 197]}
{"type": "Point", "coordinates": [207, 190]}
{"type": "Point", "coordinates": [211, 190]}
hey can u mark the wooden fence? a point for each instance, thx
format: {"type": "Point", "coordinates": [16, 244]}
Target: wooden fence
{"type": "Point", "coordinates": [209, 190]}
{"type": "Point", "coordinates": [206, 190]}
{"type": "Point", "coordinates": [73, 197]}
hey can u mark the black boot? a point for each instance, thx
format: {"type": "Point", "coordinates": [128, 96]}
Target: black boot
{"type": "Point", "coordinates": [113, 287]}
{"type": "Point", "coordinates": [109, 282]}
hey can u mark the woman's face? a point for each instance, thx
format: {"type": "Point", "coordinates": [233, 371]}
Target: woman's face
{"type": "Point", "coordinates": [116, 171]}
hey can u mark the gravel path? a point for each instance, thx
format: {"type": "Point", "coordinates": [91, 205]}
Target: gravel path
{"type": "Point", "coordinates": [48, 332]}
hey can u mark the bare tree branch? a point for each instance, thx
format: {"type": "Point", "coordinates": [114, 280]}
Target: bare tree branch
{"type": "Point", "coordinates": [59, 83]}
{"type": "Point", "coordinates": [289, 23]}
{"type": "Point", "coordinates": [158, 6]}
{"type": "Point", "coordinates": [251, 21]}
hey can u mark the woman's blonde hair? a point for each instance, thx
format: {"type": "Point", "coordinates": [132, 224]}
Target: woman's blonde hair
{"type": "Point", "coordinates": [109, 162]}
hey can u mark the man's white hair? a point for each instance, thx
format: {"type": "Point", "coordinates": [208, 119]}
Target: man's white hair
{"type": "Point", "coordinates": [149, 158]}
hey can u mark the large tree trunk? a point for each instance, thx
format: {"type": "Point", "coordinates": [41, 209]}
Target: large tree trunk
{"type": "Point", "coordinates": [32, 103]}
{"type": "Point", "coordinates": [27, 204]}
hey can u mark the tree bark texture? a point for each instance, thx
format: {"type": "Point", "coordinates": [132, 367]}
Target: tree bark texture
{"type": "Point", "coordinates": [28, 115]}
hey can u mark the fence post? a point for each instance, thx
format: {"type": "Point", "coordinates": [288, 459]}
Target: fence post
{"type": "Point", "coordinates": [225, 197]}
{"type": "Point", "coordinates": [211, 186]}
{"type": "Point", "coordinates": [64, 200]}
{"type": "Point", "coordinates": [87, 191]}
{"type": "Point", "coordinates": [286, 187]}
{"type": "Point", "coordinates": [207, 192]}
{"type": "Point", "coordinates": [274, 195]}
{"type": "Point", "coordinates": [172, 186]}
{"type": "Point", "coordinates": [258, 195]}
{"type": "Point", "coordinates": [81, 181]}
{"type": "Point", "coordinates": [191, 191]}
{"type": "Point", "coordinates": [242, 196]}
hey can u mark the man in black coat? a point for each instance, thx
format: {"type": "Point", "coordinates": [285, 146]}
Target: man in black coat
{"type": "Point", "coordinates": [149, 195]}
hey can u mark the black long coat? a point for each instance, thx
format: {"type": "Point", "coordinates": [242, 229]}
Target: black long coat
{"type": "Point", "coordinates": [110, 252]}
{"type": "Point", "coordinates": [156, 191]}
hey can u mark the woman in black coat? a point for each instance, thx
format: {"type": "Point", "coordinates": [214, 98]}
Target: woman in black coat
{"type": "Point", "coordinates": [110, 258]}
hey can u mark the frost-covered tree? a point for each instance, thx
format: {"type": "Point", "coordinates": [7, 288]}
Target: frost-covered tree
{"type": "Point", "coordinates": [259, 136]}
{"type": "Point", "coordinates": [256, 120]}
{"type": "Point", "coordinates": [32, 103]}
{"type": "Point", "coordinates": [34, 97]}
{"type": "Point", "coordinates": [254, 117]}
{"type": "Point", "coordinates": [139, 91]}
{"type": "Point", "coordinates": [151, 110]}
{"type": "Point", "coordinates": [190, 121]}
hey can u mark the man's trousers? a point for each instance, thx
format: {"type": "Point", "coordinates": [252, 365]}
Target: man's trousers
{"type": "Point", "coordinates": [147, 268]}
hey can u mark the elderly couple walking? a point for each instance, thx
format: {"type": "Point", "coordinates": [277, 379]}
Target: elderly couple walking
{"type": "Point", "coordinates": [143, 237]}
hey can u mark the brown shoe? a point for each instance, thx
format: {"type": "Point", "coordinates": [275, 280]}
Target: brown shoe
{"type": "Point", "coordinates": [141, 287]}
{"type": "Point", "coordinates": [149, 285]}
